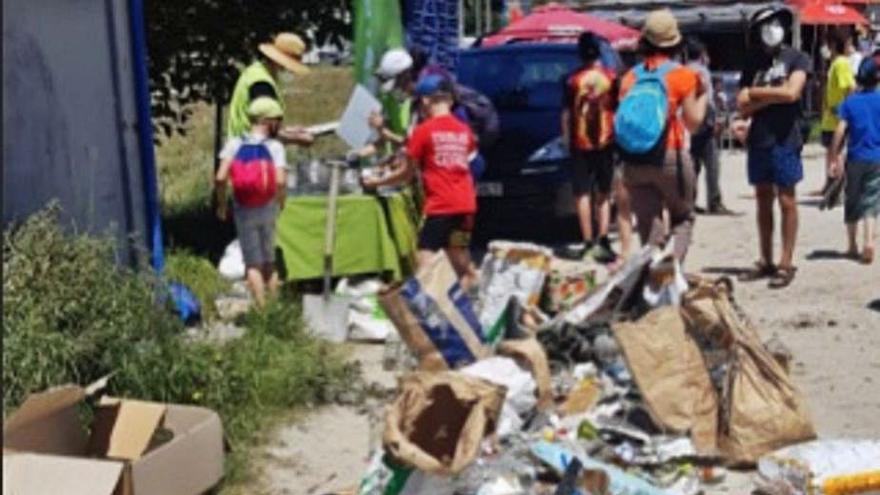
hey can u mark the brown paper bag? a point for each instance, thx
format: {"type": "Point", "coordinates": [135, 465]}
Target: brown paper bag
{"type": "Point", "coordinates": [761, 410]}
{"type": "Point", "coordinates": [671, 375]}
{"type": "Point", "coordinates": [439, 419]}
{"type": "Point", "coordinates": [435, 318]}
{"type": "Point", "coordinates": [530, 353]}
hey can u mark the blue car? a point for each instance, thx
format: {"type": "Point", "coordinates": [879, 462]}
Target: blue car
{"type": "Point", "coordinates": [525, 192]}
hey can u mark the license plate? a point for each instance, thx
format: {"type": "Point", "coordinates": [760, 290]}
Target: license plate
{"type": "Point", "coordinates": [490, 189]}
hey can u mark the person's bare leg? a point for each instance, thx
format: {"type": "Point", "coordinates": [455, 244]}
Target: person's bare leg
{"type": "Point", "coordinates": [870, 237]}
{"type": "Point", "coordinates": [584, 209]}
{"type": "Point", "coordinates": [764, 195]}
{"type": "Point", "coordinates": [460, 257]}
{"type": "Point", "coordinates": [273, 281]}
{"type": "Point", "coordinates": [788, 205]}
{"type": "Point", "coordinates": [851, 234]}
{"type": "Point", "coordinates": [603, 212]}
{"type": "Point", "coordinates": [257, 285]}
{"type": "Point", "coordinates": [624, 220]}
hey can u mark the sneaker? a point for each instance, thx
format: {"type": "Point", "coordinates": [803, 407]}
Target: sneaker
{"type": "Point", "coordinates": [603, 253]}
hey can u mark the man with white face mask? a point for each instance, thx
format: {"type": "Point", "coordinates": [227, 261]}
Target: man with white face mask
{"type": "Point", "coordinates": [771, 92]}
{"type": "Point", "coordinates": [280, 59]}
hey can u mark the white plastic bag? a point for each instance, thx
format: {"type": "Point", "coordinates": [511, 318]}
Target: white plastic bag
{"type": "Point", "coordinates": [232, 263]}
{"type": "Point", "coordinates": [521, 389]}
{"type": "Point", "coordinates": [822, 467]}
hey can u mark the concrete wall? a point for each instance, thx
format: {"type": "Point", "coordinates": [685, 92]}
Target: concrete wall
{"type": "Point", "coordinates": [69, 115]}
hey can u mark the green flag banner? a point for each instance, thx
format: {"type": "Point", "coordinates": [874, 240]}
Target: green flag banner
{"type": "Point", "coordinates": [377, 27]}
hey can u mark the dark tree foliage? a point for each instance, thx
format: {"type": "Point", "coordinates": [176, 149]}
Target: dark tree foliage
{"type": "Point", "coordinates": [196, 46]}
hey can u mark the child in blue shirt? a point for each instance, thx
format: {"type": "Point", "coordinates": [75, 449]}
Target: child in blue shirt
{"type": "Point", "coordinates": [860, 121]}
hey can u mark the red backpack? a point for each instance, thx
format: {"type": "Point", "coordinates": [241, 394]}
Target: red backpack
{"type": "Point", "coordinates": [253, 175]}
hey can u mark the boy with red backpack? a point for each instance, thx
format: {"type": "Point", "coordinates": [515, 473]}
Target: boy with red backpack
{"type": "Point", "coordinates": [255, 165]}
{"type": "Point", "coordinates": [588, 129]}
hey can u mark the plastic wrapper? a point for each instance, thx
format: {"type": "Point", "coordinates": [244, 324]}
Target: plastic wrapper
{"type": "Point", "coordinates": [822, 467]}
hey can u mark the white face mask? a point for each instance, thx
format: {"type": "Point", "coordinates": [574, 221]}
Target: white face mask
{"type": "Point", "coordinates": [772, 34]}
{"type": "Point", "coordinates": [825, 52]}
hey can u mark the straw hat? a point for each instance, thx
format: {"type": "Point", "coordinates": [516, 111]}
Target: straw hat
{"type": "Point", "coordinates": [661, 29]}
{"type": "Point", "coordinates": [286, 50]}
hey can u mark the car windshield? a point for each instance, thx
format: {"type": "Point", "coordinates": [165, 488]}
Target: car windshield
{"type": "Point", "coordinates": [530, 79]}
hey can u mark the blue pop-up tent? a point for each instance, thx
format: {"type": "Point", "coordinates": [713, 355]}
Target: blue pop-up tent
{"type": "Point", "coordinates": [76, 119]}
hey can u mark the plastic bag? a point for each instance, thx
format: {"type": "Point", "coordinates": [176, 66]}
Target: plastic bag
{"type": "Point", "coordinates": [232, 263]}
{"type": "Point", "coordinates": [521, 390]}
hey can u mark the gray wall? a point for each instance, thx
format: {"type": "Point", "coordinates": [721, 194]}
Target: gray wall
{"type": "Point", "coordinates": [69, 118]}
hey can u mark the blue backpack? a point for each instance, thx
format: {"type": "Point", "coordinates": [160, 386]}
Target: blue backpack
{"type": "Point", "coordinates": [641, 123]}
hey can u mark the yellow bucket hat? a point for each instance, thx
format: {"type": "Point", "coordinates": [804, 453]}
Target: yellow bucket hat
{"type": "Point", "coordinates": [265, 107]}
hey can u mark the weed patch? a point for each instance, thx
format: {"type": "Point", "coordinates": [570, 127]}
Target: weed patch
{"type": "Point", "coordinates": [72, 315]}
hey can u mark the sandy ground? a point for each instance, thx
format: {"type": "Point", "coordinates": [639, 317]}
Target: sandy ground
{"type": "Point", "coordinates": [825, 317]}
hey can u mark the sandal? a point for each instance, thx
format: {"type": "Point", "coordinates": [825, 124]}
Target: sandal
{"type": "Point", "coordinates": [761, 270]}
{"type": "Point", "coordinates": [868, 255]}
{"type": "Point", "coordinates": [783, 277]}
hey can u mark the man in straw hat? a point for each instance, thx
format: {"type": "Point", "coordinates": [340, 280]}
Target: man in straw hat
{"type": "Point", "coordinates": [772, 88]}
{"type": "Point", "coordinates": [259, 79]}
{"type": "Point", "coordinates": [663, 178]}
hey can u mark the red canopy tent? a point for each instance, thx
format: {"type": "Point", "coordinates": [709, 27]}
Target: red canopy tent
{"type": "Point", "coordinates": [557, 22]}
{"type": "Point", "coordinates": [827, 13]}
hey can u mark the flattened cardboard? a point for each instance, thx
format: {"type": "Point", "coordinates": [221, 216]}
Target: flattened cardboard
{"type": "Point", "coordinates": [35, 474]}
{"type": "Point", "coordinates": [123, 429]}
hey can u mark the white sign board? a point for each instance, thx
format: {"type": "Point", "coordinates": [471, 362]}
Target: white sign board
{"type": "Point", "coordinates": [354, 127]}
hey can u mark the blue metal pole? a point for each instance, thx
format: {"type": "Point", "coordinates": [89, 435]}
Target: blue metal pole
{"type": "Point", "coordinates": [145, 133]}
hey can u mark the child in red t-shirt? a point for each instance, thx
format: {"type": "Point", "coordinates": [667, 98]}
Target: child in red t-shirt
{"type": "Point", "coordinates": [440, 148]}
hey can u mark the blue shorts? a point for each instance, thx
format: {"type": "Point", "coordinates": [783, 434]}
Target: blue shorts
{"type": "Point", "coordinates": [777, 165]}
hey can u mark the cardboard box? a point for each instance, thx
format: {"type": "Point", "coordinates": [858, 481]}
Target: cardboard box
{"type": "Point", "coordinates": [134, 448]}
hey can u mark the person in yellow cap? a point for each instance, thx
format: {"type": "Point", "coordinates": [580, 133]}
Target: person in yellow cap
{"type": "Point", "coordinates": [255, 165]}
{"type": "Point", "coordinates": [259, 79]}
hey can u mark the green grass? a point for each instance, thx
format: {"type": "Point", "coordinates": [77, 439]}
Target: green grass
{"type": "Point", "coordinates": [186, 162]}
{"type": "Point", "coordinates": [72, 316]}
{"type": "Point", "coordinates": [200, 275]}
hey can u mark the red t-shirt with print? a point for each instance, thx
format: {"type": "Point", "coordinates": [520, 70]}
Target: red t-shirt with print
{"type": "Point", "coordinates": [441, 146]}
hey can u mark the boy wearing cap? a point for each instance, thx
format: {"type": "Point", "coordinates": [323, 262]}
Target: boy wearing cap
{"type": "Point", "coordinates": [256, 166]}
{"type": "Point", "coordinates": [440, 148]}
{"type": "Point", "coordinates": [282, 56]}
{"type": "Point", "coordinates": [771, 91]}
{"type": "Point", "coordinates": [860, 120]}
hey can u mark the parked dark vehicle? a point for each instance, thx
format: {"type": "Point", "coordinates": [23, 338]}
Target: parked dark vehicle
{"type": "Point", "coordinates": [525, 193]}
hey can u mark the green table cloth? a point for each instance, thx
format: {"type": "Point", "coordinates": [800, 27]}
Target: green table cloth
{"type": "Point", "coordinates": [373, 235]}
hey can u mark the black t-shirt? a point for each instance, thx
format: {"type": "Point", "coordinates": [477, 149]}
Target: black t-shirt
{"type": "Point", "coordinates": [778, 124]}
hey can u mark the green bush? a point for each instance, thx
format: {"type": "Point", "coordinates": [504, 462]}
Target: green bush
{"type": "Point", "coordinates": [71, 315]}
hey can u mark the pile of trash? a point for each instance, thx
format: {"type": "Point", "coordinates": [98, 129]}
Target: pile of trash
{"type": "Point", "coordinates": [562, 378]}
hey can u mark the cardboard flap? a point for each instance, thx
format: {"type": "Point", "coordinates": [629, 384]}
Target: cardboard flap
{"type": "Point", "coordinates": [43, 405]}
{"type": "Point", "coordinates": [123, 428]}
{"type": "Point", "coordinates": [34, 474]}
